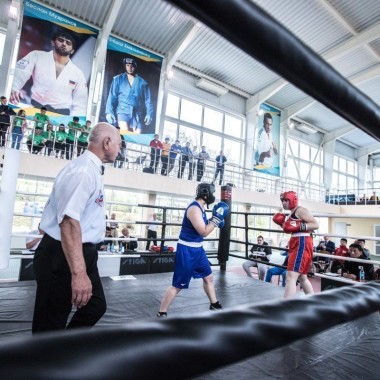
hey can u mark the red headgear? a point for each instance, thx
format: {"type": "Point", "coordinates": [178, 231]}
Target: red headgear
{"type": "Point", "coordinates": [290, 196]}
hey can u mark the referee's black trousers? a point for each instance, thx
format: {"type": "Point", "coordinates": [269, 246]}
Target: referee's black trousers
{"type": "Point", "coordinates": [151, 235]}
{"type": "Point", "coordinates": [53, 297]}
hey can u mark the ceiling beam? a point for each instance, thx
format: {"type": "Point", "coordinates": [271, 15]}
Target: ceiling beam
{"type": "Point", "coordinates": [334, 135]}
{"type": "Point", "coordinates": [365, 151]}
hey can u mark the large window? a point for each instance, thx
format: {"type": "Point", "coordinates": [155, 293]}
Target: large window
{"type": "Point", "coordinates": [199, 124]}
{"type": "Point", "coordinates": [304, 163]}
{"type": "Point", "coordinates": [344, 175]}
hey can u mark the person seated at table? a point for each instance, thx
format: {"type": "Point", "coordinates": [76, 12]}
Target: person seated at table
{"type": "Point", "coordinates": [366, 251]}
{"type": "Point", "coordinates": [351, 269]}
{"type": "Point", "coordinates": [325, 246]}
{"type": "Point", "coordinates": [129, 245]}
{"type": "Point", "coordinates": [363, 198]}
{"type": "Point", "coordinates": [259, 251]}
{"type": "Point", "coordinates": [276, 271]}
{"type": "Point", "coordinates": [103, 246]}
{"type": "Point", "coordinates": [342, 250]}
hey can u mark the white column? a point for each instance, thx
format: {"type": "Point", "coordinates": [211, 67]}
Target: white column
{"type": "Point", "coordinates": [328, 162]}
{"type": "Point", "coordinates": [7, 201]}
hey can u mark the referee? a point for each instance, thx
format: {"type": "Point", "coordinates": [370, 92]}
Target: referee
{"type": "Point", "coordinates": [65, 262]}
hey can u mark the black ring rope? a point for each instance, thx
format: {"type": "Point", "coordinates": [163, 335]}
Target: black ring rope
{"type": "Point", "coordinates": [184, 347]}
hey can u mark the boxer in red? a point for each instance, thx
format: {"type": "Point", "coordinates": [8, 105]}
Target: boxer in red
{"type": "Point", "coordinates": [299, 224]}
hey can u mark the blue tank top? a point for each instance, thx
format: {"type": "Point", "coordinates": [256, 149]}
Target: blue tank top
{"type": "Point", "coordinates": [188, 232]}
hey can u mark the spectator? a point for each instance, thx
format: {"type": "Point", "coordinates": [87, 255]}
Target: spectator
{"type": "Point", "coordinates": [364, 198]}
{"type": "Point", "coordinates": [113, 225]}
{"type": "Point", "coordinates": [120, 158]}
{"type": "Point", "coordinates": [129, 245]}
{"type": "Point", "coordinates": [74, 126]}
{"type": "Point", "coordinates": [165, 156]}
{"type": "Point", "coordinates": [31, 243]}
{"type": "Point", "coordinates": [6, 112]}
{"type": "Point", "coordinates": [374, 197]}
{"type": "Point", "coordinates": [192, 165]}
{"type": "Point", "coordinates": [49, 136]}
{"type": "Point", "coordinates": [35, 141]}
{"type": "Point", "coordinates": [40, 119]}
{"type": "Point", "coordinates": [152, 231]}
{"type": "Point", "coordinates": [174, 150]}
{"type": "Point", "coordinates": [325, 246]}
{"type": "Point", "coordinates": [259, 251]}
{"type": "Point", "coordinates": [220, 162]}
{"type": "Point", "coordinates": [60, 141]}
{"type": "Point", "coordinates": [342, 250]}
{"type": "Point", "coordinates": [18, 129]}
{"type": "Point", "coordinates": [277, 271]}
{"type": "Point", "coordinates": [155, 152]}
{"type": "Point", "coordinates": [366, 251]}
{"type": "Point", "coordinates": [103, 246]}
{"type": "Point", "coordinates": [351, 268]}
{"type": "Point", "coordinates": [83, 138]}
{"type": "Point", "coordinates": [185, 155]}
{"type": "Point", "coordinates": [202, 157]}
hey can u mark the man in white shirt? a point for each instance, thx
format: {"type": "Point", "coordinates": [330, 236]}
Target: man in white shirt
{"type": "Point", "coordinates": [65, 262]}
{"type": "Point", "coordinates": [152, 231]}
{"type": "Point", "coordinates": [58, 84]}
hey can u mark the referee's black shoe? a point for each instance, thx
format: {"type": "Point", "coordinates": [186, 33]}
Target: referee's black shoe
{"type": "Point", "coordinates": [215, 306]}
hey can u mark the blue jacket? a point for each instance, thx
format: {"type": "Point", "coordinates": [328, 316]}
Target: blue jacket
{"type": "Point", "coordinates": [135, 100]}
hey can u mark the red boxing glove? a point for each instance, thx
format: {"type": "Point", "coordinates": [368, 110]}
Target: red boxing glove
{"type": "Point", "coordinates": [279, 218]}
{"type": "Point", "coordinates": [291, 226]}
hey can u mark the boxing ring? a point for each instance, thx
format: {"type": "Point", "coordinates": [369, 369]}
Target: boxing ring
{"type": "Point", "coordinates": [331, 335]}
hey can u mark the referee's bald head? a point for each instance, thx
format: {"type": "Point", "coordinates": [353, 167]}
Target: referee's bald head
{"type": "Point", "coordinates": [105, 141]}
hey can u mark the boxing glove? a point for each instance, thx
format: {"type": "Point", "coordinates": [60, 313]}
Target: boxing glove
{"type": "Point", "coordinates": [279, 218]}
{"type": "Point", "coordinates": [291, 226]}
{"type": "Point", "coordinates": [219, 212]}
{"type": "Point", "coordinates": [221, 224]}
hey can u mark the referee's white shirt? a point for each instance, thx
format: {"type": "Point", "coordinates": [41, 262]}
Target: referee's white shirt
{"type": "Point", "coordinates": [78, 192]}
{"type": "Point", "coordinates": [153, 227]}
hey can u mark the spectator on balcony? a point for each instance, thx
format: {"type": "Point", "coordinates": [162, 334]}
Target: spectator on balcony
{"type": "Point", "coordinates": [40, 119]}
{"type": "Point", "coordinates": [74, 127]}
{"type": "Point", "coordinates": [203, 156]}
{"type": "Point", "coordinates": [35, 141]}
{"type": "Point", "coordinates": [83, 138]}
{"type": "Point", "coordinates": [374, 197]}
{"type": "Point", "coordinates": [49, 136]}
{"type": "Point", "coordinates": [6, 111]}
{"type": "Point", "coordinates": [220, 162]}
{"type": "Point", "coordinates": [165, 156]}
{"type": "Point", "coordinates": [174, 150]}
{"type": "Point", "coordinates": [155, 152]}
{"type": "Point", "coordinates": [192, 164]}
{"type": "Point", "coordinates": [185, 156]}
{"type": "Point", "coordinates": [60, 141]}
{"type": "Point", "coordinates": [18, 129]}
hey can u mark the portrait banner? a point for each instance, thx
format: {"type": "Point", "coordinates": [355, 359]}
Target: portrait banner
{"type": "Point", "coordinates": [54, 65]}
{"type": "Point", "coordinates": [130, 90]}
{"type": "Point", "coordinates": [267, 141]}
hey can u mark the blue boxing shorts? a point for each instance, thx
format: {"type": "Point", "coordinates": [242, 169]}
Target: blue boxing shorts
{"type": "Point", "coordinates": [190, 262]}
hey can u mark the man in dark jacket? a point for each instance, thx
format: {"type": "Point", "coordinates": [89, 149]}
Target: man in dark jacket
{"type": "Point", "coordinates": [220, 161]}
{"type": "Point", "coordinates": [5, 119]}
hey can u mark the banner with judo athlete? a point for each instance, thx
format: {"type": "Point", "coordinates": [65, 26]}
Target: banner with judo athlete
{"type": "Point", "coordinates": [267, 141]}
{"type": "Point", "coordinates": [130, 90]}
{"type": "Point", "coordinates": [54, 65]}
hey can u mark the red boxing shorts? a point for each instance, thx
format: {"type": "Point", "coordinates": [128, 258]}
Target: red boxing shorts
{"type": "Point", "coordinates": [300, 254]}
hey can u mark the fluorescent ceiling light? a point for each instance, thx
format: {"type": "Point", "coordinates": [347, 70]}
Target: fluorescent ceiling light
{"type": "Point", "coordinates": [212, 87]}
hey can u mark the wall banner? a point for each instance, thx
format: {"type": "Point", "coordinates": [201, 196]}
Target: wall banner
{"type": "Point", "coordinates": [54, 64]}
{"type": "Point", "coordinates": [267, 141]}
{"type": "Point", "coordinates": [130, 90]}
